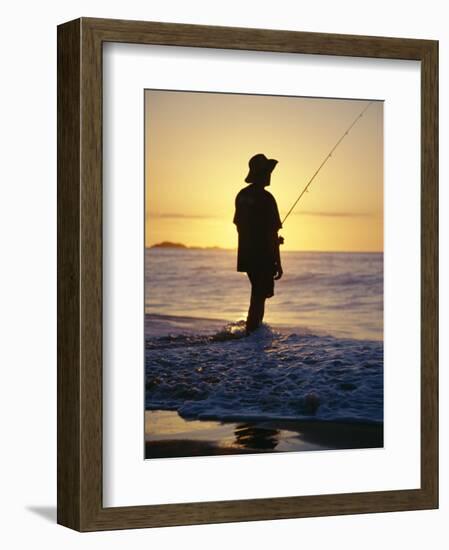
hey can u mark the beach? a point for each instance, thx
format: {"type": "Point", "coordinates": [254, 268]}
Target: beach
{"type": "Point", "coordinates": [167, 435]}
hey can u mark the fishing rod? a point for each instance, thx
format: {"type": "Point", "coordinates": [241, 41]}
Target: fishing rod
{"type": "Point", "coordinates": [325, 160]}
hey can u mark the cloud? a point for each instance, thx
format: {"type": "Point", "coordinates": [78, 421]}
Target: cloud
{"type": "Point", "coordinates": [324, 214]}
{"type": "Point", "coordinates": [177, 215]}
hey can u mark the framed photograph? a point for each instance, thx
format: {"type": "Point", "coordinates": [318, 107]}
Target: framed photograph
{"type": "Point", "coordinates": [247, 274]}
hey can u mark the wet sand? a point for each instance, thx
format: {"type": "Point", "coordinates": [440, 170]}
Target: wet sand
{"type": "Point", "coordinates": [167, 435]}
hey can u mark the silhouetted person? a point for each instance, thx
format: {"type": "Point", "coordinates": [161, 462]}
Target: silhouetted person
{"type": "Point", "coordinates": [257, 220]}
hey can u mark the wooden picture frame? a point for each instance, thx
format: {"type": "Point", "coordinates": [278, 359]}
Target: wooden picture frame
{"type": "Point", "coordinates": [79, 472]}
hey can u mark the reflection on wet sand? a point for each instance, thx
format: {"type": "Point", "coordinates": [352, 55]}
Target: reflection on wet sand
{"type": "Point", "coordinates": [254, 437]}
{"type": "Point", "coordinates": [167, 435]}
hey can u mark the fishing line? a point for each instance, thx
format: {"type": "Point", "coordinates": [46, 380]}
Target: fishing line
{"type": "Point", "coordinates": [326, 159]}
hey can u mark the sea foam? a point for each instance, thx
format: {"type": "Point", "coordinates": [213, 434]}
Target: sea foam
{"type": "Point", "coordinates": [271, 374]}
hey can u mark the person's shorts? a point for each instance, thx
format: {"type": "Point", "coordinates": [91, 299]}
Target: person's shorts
{"type": "Point", "coordinates": [262, 283]}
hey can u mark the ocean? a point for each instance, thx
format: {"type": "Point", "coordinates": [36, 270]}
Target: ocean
{"type": "Point", "coordinates": [318, 355]}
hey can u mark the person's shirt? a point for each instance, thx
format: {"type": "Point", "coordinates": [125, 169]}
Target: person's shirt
{"type": "Point", "coordinates": [258, 221]}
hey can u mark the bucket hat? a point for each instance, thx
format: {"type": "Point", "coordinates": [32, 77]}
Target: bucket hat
{"type": "Point", "coordinates": [259, 165]}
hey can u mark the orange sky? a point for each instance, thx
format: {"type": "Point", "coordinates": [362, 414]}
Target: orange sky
{"type": "Point", "coordinates": [197, 147]}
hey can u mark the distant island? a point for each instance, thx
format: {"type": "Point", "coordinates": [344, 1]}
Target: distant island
{"type": "Point", "coordinates": [169, 244]}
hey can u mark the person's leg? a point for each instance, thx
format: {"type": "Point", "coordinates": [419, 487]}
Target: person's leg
{"type": "Point", "coordinates": [260, 308]}
{"type": "Point", "coordinates": [256, 310]}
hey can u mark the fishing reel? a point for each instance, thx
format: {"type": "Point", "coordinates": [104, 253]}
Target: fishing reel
{"type": "Point", "coordinates": [280, 239]}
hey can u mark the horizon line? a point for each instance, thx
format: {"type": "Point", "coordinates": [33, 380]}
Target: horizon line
{"type": "Point", "coordinates": [212, 248]}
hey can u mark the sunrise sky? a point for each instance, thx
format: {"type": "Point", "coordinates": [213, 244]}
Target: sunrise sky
{"type": "Point", "coordinates": [197, 147]}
